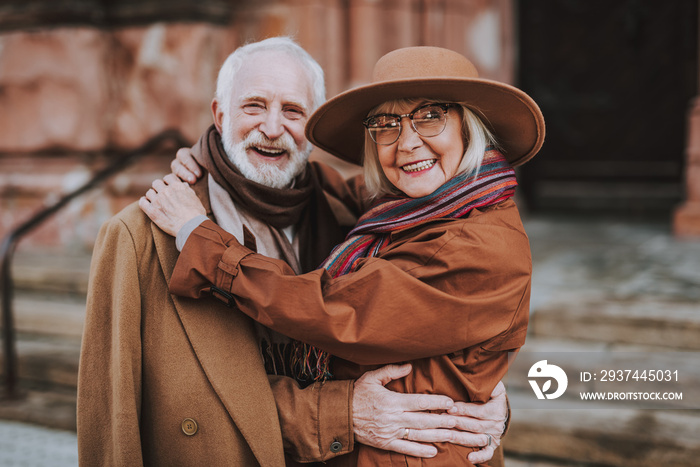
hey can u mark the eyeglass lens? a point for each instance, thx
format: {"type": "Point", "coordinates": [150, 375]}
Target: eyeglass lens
{"type": "Point", "coordinates": [427, 121]}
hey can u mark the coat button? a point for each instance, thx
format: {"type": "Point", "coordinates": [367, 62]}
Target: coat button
{"type": "Point", "coordinates": [336, 446]}
{"type": "Point", "coordinates": [189, 426]}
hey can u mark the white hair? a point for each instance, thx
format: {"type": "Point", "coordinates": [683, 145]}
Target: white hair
{"type": "Point", "coordinates": [283, 44]}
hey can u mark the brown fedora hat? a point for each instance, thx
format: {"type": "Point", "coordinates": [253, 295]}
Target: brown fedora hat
{"type": "Point", "coordinates": [431, 73]}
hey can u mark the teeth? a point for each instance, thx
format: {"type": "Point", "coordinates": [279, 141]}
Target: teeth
{"type": "Point", "coordinates": [418, 166]}
{"type": "Point", "coordinates": [270, 150]}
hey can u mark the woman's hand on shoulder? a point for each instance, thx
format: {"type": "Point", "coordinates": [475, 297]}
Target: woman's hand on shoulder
{"type": "Point", "coordinates": [185, 166]}
{"type": "Point", "coordinates": [170, 203]}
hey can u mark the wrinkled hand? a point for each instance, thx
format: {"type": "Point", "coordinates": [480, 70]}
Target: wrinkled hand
{"type": "Point", "coordinates": [170, 203]}
{"type": "Point", "coordinates": [185, 166]}
{"type": "Point", "coordinates": [381, 417]}
{"type": "Point", "coordinates": [488, 418]}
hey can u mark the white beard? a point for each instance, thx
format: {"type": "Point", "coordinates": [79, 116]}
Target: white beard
{"type": "Point", "coordinates": [265, 174]}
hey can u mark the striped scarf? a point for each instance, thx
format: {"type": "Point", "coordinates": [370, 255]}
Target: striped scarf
{"type": "Point", "coordinates": [494, 182]}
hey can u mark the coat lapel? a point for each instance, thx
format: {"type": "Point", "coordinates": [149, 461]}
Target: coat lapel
{"type": "Point", "coordinates": [224, 342]}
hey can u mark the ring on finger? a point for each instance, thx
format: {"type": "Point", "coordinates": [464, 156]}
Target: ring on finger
{"type": "Point", "coordinates": [405, 433]}
{"type": "Point", "coordinates": [490, 440]}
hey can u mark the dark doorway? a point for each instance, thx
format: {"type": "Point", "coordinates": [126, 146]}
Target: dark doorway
{"type": "Point", "coordinates": [614, 80]}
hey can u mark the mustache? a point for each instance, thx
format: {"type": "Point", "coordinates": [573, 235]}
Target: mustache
{"type": "Point", "coordinates": [256, 138]}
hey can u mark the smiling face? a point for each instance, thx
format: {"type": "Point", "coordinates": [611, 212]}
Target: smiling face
{"type": "Point", "coordinates": [263, 132]}
{"type": "Point", "coordinates": [418, 165]}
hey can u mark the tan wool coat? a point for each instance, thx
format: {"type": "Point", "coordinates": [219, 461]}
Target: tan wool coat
{"type": "Point", "coordinates": [165, 380]}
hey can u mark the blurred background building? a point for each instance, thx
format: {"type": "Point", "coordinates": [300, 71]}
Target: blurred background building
{"type": "Point", "coordinates": [82, 82]}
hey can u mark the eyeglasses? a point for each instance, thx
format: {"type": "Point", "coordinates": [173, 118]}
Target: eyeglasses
{"type": "Point", "coordinates": [427, 120]}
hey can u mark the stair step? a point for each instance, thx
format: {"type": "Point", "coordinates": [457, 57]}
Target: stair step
{"type": "Point", "coordinates": [57, 315]}
{"type": "Point", "coordinates": [47, 363]}
{"type": "Point", "coordinates": [52, 409]}
{"type": "Point", "coordinates": [585, 437]}
{"type": "Point", "coordinates": [49, 271]}
{"type": "Point", "coordinates": [47, 372]}
{"type": "Point", "coordinates": [512, 461]}
{"type": "Point", "coordinates": [671, 325]}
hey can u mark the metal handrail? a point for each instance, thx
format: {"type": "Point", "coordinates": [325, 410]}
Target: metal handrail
{"type": "Point", "coordinates": [9, 243]}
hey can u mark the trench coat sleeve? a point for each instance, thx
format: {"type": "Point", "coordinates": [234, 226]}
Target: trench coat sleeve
{"type": "Point", "coordinates": [314, 418]}
{"type": "Point", "coordinates": [462, 285]}
{"type": "Point", "coordinates": [109, 377]}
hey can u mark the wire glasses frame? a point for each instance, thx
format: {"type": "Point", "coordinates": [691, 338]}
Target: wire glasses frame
{"type": "Point", "coordinates": [427, 120]}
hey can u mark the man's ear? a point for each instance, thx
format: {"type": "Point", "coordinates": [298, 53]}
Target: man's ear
{"type": "Point", "coordinates": [218, 115]}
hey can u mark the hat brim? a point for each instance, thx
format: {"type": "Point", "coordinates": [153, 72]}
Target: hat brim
{"type": "Point", "coordinates": [514, 118]}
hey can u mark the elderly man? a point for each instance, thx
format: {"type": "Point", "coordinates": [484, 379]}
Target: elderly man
{"type": "Point", "coordinates": [171, 381]}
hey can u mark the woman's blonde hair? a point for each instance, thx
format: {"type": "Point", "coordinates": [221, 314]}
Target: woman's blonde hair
{"type": "Point", "coordinates": [475, 134]}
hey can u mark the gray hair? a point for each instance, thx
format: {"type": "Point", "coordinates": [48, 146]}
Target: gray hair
{"type": "Point", "coordinates": [228, 71]}
{"type": "Point", "coordinates": [474, 133]}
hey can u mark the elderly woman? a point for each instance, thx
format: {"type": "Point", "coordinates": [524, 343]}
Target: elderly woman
{"type": "Point", "coordinates": [436, 272]}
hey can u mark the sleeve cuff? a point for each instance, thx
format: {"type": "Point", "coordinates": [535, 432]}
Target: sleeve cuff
{"type": "Point", "coordinates": [316, 421]}
{"type": "Point", "coordinates": [187, 229]}
{"type": "Point", "coordinates": [336, 431]}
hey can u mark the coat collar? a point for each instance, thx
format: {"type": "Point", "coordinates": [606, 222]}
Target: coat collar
{"type": "Point", "coordinates": [234, 370]}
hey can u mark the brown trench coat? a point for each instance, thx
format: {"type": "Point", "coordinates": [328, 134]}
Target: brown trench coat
{"type": "Point", "coordinates": [154, 365]}
{"type": "Point", "coordinates": [454, 290]}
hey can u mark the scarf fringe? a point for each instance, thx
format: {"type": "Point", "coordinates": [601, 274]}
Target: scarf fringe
{"type": "Point", "coordinates": [310, 363]}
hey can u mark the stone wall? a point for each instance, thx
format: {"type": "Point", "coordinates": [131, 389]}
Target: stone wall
{"type": "Point", "coordinates": [73, 93]}
{"type": "Point", "coordinates": [70, 96]}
